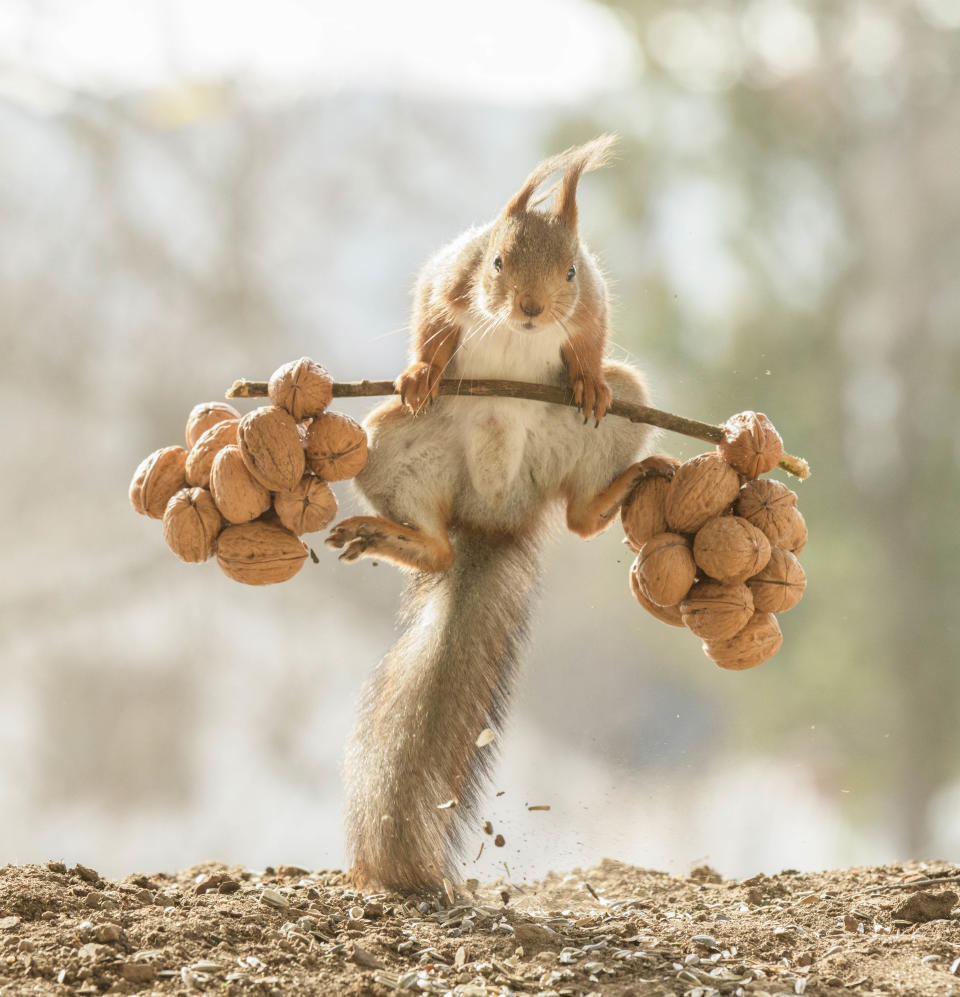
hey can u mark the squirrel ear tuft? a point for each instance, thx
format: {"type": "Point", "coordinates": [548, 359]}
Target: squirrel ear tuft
{"type": "Point", "coordinates": [573, 163]}
{"type": "Point", "coordinates": [520, 201]}
{"type": "Point", "coordinates": [581, 160]}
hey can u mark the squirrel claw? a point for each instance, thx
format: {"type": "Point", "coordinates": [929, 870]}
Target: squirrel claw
{"type": "Point", "coordinates": [336, 539]}
{"type": "Point", "coordinates": [354, 549]}
{"type": "Point", "coordinates": [661, 464]}
{"type": "Point", "coordinates": [348, 537]}
{"type": "Point", "coordinates": [592, 397]}
{"type": "Point", "coordinates": [578, 394]}
{"type": "Point", "coordinates": [355, 536]}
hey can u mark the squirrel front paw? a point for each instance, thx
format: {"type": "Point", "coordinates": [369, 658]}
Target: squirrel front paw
{"type": "Point", "coordinates": [591, 393]}
{"type": "Point", "coordinates": [418, 385]}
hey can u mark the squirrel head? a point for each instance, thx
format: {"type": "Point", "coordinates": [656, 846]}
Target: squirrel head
{"type": "Point", "coordinates": [528, 275]}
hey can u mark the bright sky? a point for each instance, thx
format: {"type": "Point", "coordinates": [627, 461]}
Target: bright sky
{"type": "Point", "coordinates": [529, 51]}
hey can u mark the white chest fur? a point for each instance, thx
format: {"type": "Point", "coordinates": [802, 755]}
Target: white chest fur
{"type": "Point", "coordinates": [496, 433]}
{"type": "Point", "coordinates": [499, 350]}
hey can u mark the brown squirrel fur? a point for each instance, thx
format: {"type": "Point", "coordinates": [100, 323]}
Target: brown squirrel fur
{"type": "Point", "coordinates": [462, 488]}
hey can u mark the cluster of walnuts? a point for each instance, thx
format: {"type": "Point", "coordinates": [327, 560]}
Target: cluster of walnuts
{"type": "Point", "coordinates": [716, 544]}
{"type": "Point", "coordinates": [247, 488]}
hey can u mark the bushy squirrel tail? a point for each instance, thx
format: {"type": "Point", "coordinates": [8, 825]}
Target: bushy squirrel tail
{"type": "Point", "coordinates": [448, 677]}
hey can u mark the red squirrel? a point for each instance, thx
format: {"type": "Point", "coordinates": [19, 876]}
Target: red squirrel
{"type": "Point", "coordinates": [462, 489]}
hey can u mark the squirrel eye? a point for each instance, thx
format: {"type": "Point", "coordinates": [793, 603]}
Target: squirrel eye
{"type": "Point", "coordinates": [572, 272]}
{"type": "Point", "coordinates": [498, 264]}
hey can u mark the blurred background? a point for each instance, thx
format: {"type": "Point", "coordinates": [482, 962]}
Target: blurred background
{"type": "Point", "coordinates": [196, 191]}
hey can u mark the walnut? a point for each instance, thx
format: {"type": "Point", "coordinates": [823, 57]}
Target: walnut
{"type": "Point", "coordinates": [780, 585]}
{"type": "Point", "coordinates": [158, 478]}
{"type": "Point", "coordinates": [771, 507]}
{"type": "Point", "coordinates": [239, 496]}
{"type": "Point", "coordinates": [717, 610]}
{"type": "Point", "coordinates": [205, 415]}
{"type": "Point", "coordinates": [665, 568]}
{"type": "Point", "coordinates": [750, 444]}
{"type": "Point", "coordinates": [302, 387]}
{"type": "Point", "coordinates": [260, 553]}
{"type": "Point", "coordinates": [730, 549]}
{"type": "Point", "coordinates": [336, 447]}
{"type": "Point", "coordinates": [191, 524]}
{"type": "Point", "coordinates": [702, 488]}
{"type": "Point", "coordinates": [200, 459]}
{"type": "Point", "coordinates": [798, 534]}
{"type": "Point", "coordinates": [666, 614]}
{"type": "Point", "coordinates": [642, 513]}
{"type": "Point", "coordinates": [759, 640]}
{"type": "Point", "coordinates": [271, 449]}
{"type": "Point", "coordinates": [309, 507]}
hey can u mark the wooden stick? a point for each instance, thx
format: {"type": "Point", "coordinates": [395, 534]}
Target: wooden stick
{"type": "Point", "coordinates": [912, 884]}
{"type": "Point", "coordinates": [706, 431]}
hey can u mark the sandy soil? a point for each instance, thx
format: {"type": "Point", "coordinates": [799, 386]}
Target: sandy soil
{"type": "Point", "coordinates": [612, 930]}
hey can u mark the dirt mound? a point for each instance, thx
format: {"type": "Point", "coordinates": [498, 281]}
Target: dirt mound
{"type": "Point", "coordinates": [612, 930]}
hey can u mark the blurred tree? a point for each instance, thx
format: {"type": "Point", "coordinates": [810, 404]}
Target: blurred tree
{"type": "Point", "coordinates": [787, 238]}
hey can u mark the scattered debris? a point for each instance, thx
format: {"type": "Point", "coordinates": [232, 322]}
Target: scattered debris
{"type": "Point", "coordinates": [366, 959]}
{"type": "Point", "coordinates": [275, 899]}
{"type": "Point", "coordinates": [138, 972]}
{"type": "Point", "coordinates": [613, 928]}
{"type": "Point", "coordinates": [707, 874]}
{"type": "Point", "coordinates": [924, 906]}
{"type": "Point", "coordinates": [707, 941]}
{"type": "Point", "coordinates": [86, 874]}
{"type": "Point", "coordinates": [449, 891]}
{"type": "Point", "coordinates": [536, 937]}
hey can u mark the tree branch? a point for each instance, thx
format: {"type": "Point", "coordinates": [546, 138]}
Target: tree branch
{"type": "Point", "coordinates": [796, 466]}
{"type": "Point", "coordinates": [911, 884]}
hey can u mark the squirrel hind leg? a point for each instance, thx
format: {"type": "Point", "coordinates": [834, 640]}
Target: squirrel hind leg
{"type": "Point", "coordinates": [403, 545]}
{"type": "Point", "coordinates": [588, 516]}
{"type": "Point", "coordinates": [611, 453]}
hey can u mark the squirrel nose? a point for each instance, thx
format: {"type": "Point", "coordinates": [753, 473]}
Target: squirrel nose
{"type": "Point", "coordinates": [530, 307]}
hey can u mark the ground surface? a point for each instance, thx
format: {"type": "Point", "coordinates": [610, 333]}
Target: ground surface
{"type": "Point", "coordinates": [612, 930]}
